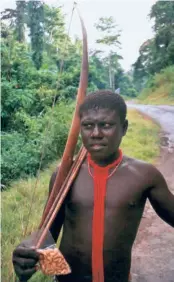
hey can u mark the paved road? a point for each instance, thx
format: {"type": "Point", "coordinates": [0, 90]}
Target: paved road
{"type": "Point", "coordinates": [164, 115]}
{"type": "Point", "coordinates": [153, 252]}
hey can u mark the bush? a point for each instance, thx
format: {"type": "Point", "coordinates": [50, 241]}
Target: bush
{"type": "Point", "coordinates": [44, 137]}
{"type": "Point", "coordinates": [160, 88]}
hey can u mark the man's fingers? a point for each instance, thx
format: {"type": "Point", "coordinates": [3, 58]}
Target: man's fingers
{"type": "Point", "coordinates": [24, 274]}
{"type": "Point", "coordinates": [25, 262]}
{"type": "Point", "coordinates": [26, 253]}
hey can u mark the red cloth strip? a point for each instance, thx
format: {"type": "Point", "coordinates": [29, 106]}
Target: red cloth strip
{"type": "Point", "coordinates": [100, 176]}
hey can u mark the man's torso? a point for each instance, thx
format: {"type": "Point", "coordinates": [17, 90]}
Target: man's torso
{"type": "Point", "coordinates": [126, 195]}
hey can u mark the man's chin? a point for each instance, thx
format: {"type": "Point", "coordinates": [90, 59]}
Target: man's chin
{"type": "Point", "coordinates": [102, 155]}
{"type": "Point", "coordinates": [98, 154]}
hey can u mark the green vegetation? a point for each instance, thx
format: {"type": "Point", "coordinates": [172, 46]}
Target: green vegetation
{"type": "Point", "coordinates": [142, 138]}
{"type": "Point", "coordinates": [141, 142]}
{"type": "Point", "coordinates": [24, 150]}
{"type": "Point", "coordinates": [160, 89]}
{"type": "Point", "coordinates": [41, 67]}
{"type": "Point", "coordinates": [154, 69]}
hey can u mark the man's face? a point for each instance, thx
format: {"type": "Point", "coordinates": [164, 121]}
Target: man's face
{"type": "Point", "coordinates": [101, 132]}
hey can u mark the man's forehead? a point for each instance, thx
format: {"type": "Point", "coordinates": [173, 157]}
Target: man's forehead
{"type": "Point", "coordinates": [103, 113]}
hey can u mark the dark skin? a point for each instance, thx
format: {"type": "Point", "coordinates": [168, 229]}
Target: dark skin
{"type": "Point", "coordinates": [127, 192]}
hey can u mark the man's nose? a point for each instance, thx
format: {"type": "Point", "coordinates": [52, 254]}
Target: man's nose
{"type": "Point", "coordinates": [96, 132]}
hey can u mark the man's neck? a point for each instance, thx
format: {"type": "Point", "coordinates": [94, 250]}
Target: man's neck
{"type": "Point", "coordinates": [107, 160]}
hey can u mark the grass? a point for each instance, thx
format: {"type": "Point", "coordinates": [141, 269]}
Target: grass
{"type": "Point", "coordinates": [159, 96]}
{"type": "Point", "coordinates": [142, 139]}
{"type": "Point", "coordinates": [140, 142]}
{"type": "Point", "coordinates": [160, 89]}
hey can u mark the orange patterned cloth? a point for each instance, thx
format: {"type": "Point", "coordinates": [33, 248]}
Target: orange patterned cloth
{"type": "Point", "coordinates": [52, 262]}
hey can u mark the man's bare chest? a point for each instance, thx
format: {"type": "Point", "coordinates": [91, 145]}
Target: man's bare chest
{"type": "Point", "coordinates": [122, 191]}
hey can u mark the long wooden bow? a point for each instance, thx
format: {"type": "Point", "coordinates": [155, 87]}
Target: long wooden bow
{"type": "Point", "coordinates": [67, 158]}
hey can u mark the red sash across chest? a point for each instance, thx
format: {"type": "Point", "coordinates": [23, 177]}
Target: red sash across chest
{"type": "Point", "coordinates": [100, 176]}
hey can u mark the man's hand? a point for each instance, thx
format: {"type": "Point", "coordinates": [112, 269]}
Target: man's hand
{"type": "Point", "coordinates": [24, 261]}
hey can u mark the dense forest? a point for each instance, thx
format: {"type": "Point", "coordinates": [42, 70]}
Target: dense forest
{"type": "Point", "coordinates": [153, 71]}
{"type": "Point", "coordinates": [41, 69]}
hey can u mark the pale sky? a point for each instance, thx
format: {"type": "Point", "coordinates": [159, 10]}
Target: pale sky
{"type": "Point", "coordinates": [131, 16]}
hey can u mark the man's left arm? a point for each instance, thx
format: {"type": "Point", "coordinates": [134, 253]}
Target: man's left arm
{"type": "Point", "coordinates": [161, 198]}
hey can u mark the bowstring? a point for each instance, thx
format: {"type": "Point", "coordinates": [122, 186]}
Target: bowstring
{"type": "Point", "coordinates": [49, 122]}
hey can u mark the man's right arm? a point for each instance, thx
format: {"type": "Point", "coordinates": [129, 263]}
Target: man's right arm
{"type": "Point", "coordinates": [25, 256]}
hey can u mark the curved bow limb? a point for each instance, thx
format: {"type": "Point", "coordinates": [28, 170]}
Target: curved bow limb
{"type": "Point", "coordinates": [67, 158]}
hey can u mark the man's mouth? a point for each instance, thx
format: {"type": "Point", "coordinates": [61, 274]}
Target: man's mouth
{"type": "Point", "coordinates": [97, 147]}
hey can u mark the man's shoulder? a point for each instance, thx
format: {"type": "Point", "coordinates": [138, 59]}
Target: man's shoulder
{"type": "Point", "coordinates": [55, 172]}
{"type": "Point", "coordinates": [135, 161]}
{"type": "Point", "coordinates": [140, 166]}
{"type": "Point", "coordinates": [143, 172]}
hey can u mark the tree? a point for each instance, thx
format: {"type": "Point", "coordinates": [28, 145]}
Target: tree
{"type": "Point", "coordinates": [109, 38]}
{"type": "Point", "coordinates": [29, 13]}
{"type": "Point", "coordinates": [156, 53]}
{"type": "Point", "coordinates": [35, 23]}
{"type": "Point", "coordinates": [163, 14]}
{"type": "Point", "coordinates": [54, 31]}
{"type": "Point", "coordinates": [98, 73]}
{"type": "Point", "coordinates": [20, 20]}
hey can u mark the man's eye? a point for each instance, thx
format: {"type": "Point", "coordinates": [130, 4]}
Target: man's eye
{"type": "Point", "coordinates": [87, 125]}
{"type": "Point", "coordinates": [107, 125]}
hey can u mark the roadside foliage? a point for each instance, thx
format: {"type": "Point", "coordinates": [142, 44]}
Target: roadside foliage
{"type": "Point", "coordinates": [41, 67]}
{"type": "Point", "coordinates": [153, 70]}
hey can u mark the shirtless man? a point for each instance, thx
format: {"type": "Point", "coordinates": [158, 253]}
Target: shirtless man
{"type": "Point", "coordinates": [100, 228]}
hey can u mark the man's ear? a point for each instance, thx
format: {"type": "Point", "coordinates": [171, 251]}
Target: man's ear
{"type": "Point", "coordinates": [125, 127]}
